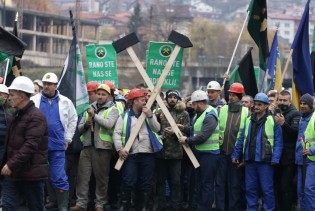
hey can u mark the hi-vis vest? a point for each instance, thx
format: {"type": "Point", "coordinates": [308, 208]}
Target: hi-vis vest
{"type": "Point", "coordinates": [105, 135]}
{"type": "Point", "coordinates": [156, 142]}
{"type": "Point", "coordinates": [120, 107]}
{"type": "Point", "coordinates": [212, 143]}
{"type": "Point", "coordinates": [309, 136]}
{"type": "Point", "coordinates": [224, 111]}
{"type": "Point", "coordinates": [269, 132]}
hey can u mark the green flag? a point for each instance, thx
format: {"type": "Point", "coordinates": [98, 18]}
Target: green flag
{"type": "Point", "coordinates": [257, 28]}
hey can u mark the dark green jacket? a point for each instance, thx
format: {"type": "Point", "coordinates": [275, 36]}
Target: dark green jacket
{"type": "Point", "coordinates": [171, 147]}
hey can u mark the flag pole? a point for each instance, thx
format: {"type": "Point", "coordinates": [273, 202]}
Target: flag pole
{"type": "Point", "coordinates": [236, 45]}
{"type": "Point", "coordinates": [285, 70]}
{"type": "Point", "coordinates": [6, 70]}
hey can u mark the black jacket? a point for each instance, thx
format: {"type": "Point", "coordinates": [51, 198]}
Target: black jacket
{"type": "Point", "coordinates": [290, 130]}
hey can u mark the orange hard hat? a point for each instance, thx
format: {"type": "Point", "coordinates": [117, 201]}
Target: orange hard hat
{"type": "Point", "coordinates": [237, 88]}
{"type": "Point", "coordinates": [135, 93]}
{"type": "Point", "coordinates": [110, 84]}
{"type": "Point", "coordinates": [91, 86]}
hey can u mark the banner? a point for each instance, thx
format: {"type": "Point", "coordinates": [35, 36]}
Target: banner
{"type": "Point", "coordinates": [158, 55]}
{"type": "Point", "coordinates": [101, 63]}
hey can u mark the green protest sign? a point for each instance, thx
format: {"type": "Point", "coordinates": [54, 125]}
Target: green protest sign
{"type": "Point", "coordinates": [101, 63]}
{"type": "Point", "coordinates": [157, 57]}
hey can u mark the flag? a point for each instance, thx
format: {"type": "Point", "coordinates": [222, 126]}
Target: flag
{"type": "Point", "coordinates": [10, 44]}
{"type": "Point", "coordinates": [313, 58]}
{"type": "Point", "coordinates": [302, 68]}
{"type": "Point", "coordinates": [257, 28]}
{"type": "Point", "coordinates": [244, 73]}
{"type": "Point", "coordinates": [15, 66]}
{"type": "Point", "coordinates": [274, 65]}
{"type": "Point", "coordinates": [72, 81]}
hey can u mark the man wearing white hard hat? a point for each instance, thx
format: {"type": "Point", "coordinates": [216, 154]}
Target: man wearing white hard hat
{"type": "Point", "coordinates": [62, 120]}
{"type": "Point", "coordinates": [214, 92]}
{"type": "Point", "coordinates": [206, 145]}
{"type": "Point", "coordinates": [24, 165]}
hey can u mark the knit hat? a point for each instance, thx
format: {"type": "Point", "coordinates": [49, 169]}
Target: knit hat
{"type": "Point", "coordinates": [173, 92]}
{"type": "Point", "coordinates": [308, 99]}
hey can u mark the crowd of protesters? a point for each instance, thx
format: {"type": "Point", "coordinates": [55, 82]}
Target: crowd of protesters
{"type": "Point", "coordinates": [253, 151]}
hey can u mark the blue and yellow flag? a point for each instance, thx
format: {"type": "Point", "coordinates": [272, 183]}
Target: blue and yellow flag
{"type": "Point", "coordinates": [274, 65]}
{"type": "Point", "coordinates": [302, 69]}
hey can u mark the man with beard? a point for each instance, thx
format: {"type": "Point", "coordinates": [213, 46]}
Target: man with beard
{"type": "Point", "coordinates": [205, 142]}
{"type": "Point", "coordinates": [169, 159]}
{"type": "Point", "coordinates": [261, 146]}
{"type": "Point", "coordinates": [139, 165]}
{"type": "Point", "coordinates": [289, 119]}
{"type": "Point", "coordinates": [229, 177]}
{"type": "Point", "coordinates": [97, 152]}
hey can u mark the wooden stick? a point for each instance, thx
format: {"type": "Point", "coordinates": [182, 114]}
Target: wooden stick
{"type": "Point", "coordinates": [285, 70]}
{"type": "Point", "coordinates": [235, 48]}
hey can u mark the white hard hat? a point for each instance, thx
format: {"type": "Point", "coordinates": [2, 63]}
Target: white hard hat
{"type": "Point", "coordinates": [23, 84]}
{"type": "Point", "coordinates": [116, 92]}
{"type": "Point", "coordinates": [4, 89]}
{"type": "Point", "coordinates": [198, 95]}
{"type": "Point", "coordinates": [38, 82]}
{"type": "Point", "coordinates": [213, 85]}
{"type": "Point", "coordinates": [50, 77]}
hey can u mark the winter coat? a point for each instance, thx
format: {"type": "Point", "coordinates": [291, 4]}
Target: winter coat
{"type": "Point", "coordinates": [27, 144]}
{"type": "Point", "coordinates": [289, 133]}
{"type": "Point", "coordinates": [255, 134]}
{"type": "Point", "coordinates": [171, 147]}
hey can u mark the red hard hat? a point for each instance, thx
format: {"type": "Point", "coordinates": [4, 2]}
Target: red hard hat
{"type": "Point", "coordinates": [91, 86]}
{"type": "Point", "coordinates": [135, 93]}
{"type": "Point", "coordinates": [236, 88]}
{"type": "Point", "coordinates": [110, 84]}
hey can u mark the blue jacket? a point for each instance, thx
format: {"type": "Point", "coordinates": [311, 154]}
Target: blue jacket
{"type": "Point", "coordinates": [277, 149]}
{"type": "Point", "coordinates": [299, 146]}
{"type": "Point", "coordinates": [219, 103]}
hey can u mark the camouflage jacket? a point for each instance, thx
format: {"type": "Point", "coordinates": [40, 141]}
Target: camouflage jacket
{"type": "Point", "coordinates": [171, 147]}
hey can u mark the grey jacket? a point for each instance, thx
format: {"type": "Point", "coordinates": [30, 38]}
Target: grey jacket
{"type": "Point", "coordinates": [107, 123]}
{"type": "Point", "coordinates": [142, 143]}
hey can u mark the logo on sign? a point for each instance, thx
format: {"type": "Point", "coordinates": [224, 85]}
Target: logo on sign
{"type": "Point", "coordinates": [100, 52]}
{"type": "Point", "coordinates": [166, 50]}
